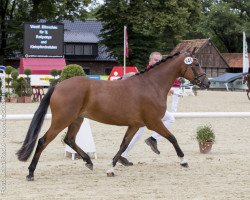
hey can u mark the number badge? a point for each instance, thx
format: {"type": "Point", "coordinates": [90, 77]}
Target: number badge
{"type": "Point", "coordinates": [188, 60]}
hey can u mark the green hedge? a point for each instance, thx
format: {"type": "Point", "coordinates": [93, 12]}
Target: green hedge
{"type": "Point", "coordinates": [71, 71]}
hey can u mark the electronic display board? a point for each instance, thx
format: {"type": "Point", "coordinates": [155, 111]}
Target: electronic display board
{"type": "Point", "coordinates": [43, 40]}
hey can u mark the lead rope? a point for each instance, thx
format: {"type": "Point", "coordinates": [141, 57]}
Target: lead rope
{"type": "Point", "coordinates": [3, 133]}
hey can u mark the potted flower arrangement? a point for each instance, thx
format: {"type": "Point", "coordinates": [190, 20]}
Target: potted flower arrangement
{"type": "Point", "coordinates": [205, 137]}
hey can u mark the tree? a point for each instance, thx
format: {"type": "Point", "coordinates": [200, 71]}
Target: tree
{"type": "Point", "coordinates": [224, 22]}
{"type": "Point", "coordinates": [153, 25]}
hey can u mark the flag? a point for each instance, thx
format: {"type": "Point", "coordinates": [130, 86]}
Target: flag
{"type": "Point", "coordinates": [125, 48]}
{"type": "Point", "coordinates": [245, 55]}
{"type": "Point", "coordinates": [125, 42]}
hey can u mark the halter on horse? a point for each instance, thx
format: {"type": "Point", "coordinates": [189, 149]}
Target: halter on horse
{"type": "Point", "coordinates": [141, 99]}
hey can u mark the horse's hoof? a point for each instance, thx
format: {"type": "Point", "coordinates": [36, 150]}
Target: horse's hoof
{"type": "Point", "coordinates": [184, 165]}
{"type": "Point", "coordinates": [110, 174]}
{"type": "Point", "coordinates": [30, 178]}
{"type": "Point", "coordinates": [89, 165]}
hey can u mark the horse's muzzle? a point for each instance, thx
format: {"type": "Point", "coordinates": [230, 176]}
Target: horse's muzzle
{"type": "Point", "coordinates": [205, 84]}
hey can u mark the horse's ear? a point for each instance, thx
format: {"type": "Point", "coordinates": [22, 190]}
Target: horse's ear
{"type": "Point", "coordinates": [193, 51]}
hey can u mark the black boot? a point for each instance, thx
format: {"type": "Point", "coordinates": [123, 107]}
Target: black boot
{"type": "Point", "coordinates": [124, 161]}
{"type": "Point", "coordinates": [153, 144]}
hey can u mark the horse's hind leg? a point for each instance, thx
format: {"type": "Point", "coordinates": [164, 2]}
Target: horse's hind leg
{"type": "Point", "coordinates": [162, 130]}
{"type": "Point", "coordinates": [42, 143]}
{"type": "Point", "coordinates": [70, 140]}
{"type": "Point", "coordinates": [248, 91]}
{"type": "Point", "coordinates": [125, 142]}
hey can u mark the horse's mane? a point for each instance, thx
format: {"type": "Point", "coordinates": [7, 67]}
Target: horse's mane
{"type": "Point", "coordinates": [159, 62]}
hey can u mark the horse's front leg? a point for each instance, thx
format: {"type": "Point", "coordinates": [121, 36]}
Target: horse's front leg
{"type": "Point", "coordinates": [125, 142]}
{"type": "Point", "coordinates": [160, 128]}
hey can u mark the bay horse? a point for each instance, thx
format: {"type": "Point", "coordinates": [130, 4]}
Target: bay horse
{"type": "Point", "coordinates": [246, 79]}
{"type": "Point", "coordinates": [135, 102]}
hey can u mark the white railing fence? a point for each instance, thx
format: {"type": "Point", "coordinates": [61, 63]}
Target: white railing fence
{"type": "Point", "coordinates": [23, 117]}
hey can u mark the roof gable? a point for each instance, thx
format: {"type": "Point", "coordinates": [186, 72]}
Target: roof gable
{"type": "Point", "coordinates": [199, 44]}
{"type": "Point", "coordinates": [186, 44]}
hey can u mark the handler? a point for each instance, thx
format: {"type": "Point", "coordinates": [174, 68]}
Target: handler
{"type": "Point", "coordinates": [168, 118]}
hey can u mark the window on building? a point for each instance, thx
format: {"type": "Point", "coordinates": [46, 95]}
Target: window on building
{"type": "Point", "coordinates": [78, 49]}
{"type": "Point", "coordinates": [69, 49]}
{"type": "Point", "coordinates": [88, 50]}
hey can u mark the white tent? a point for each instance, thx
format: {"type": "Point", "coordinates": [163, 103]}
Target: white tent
{"type": "Point", "coordinates": [84, 140]}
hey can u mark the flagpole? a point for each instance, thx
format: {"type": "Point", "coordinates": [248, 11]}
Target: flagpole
{"type": "Point", "coordinates": [124, 48]}
{"type": "Point", "coordinates": [245, 67]}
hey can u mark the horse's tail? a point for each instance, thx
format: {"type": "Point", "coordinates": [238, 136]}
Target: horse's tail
{"type": "Point", "coordinates": [35, 126]}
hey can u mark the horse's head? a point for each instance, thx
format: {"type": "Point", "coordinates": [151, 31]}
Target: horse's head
{"type": "Point", "coordinates": [192, 71]}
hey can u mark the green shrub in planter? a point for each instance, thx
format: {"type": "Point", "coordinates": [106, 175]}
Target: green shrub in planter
{"type": "Point", "coordinates": [205, 133]}
{"type": "Point", "coordinates": [71, 71]}
{"type": "Point", "coordinates": [54, 81]}
{"type": "Point", "coordinates": [8, 79]}
{"type": "Point", "coordinates": [27, 72]}
{"type": "Point", "coordinates": [22, 87]}
{"type": "Point", "coordinates": [14, 75]}
{"type": "Point", "coordinates": [9, 69]}
{"type": "Point", "coordinates": [54, 73]}
{"type": "Point", "coordinates": [59, 72]}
